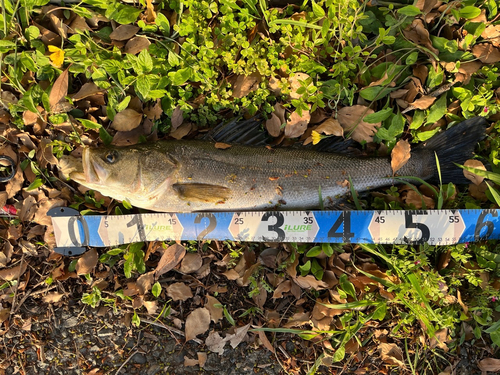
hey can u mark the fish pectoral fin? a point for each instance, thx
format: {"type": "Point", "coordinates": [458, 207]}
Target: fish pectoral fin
{"type": "Point", "coordinates": [202, 192]}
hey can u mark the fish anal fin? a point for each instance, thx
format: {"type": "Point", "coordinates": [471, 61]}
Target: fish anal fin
{"type": "Point", "coordinates": [202, 192]}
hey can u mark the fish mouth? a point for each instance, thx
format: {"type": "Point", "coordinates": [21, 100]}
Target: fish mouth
{"type": "Point", "coordinates": [94, 172]}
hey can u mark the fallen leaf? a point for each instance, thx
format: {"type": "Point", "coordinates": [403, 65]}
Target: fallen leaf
{"type": "Point", "coordinates": [331, 126]}
{"type": "Point", "coordinates": [28, 209]}
{"type": "Point", "coordinates": [391, 354]}
{"type": "Point", "coordinates": [222, 146]}
{"type": "Point", "coordinates": [179, 292]}
{"type": "Point", "coordinates": [52, 297]}
{"type": "Point", "coordinates": [245, 85]}
{"type": "Point", "coordinates": [295, 84]}
{"type": "Point", "coordinates": [124, 32]}
{"type": "Point", "coordinates": [44, 154]}
{"type": "Point", "coordinates": [351, 119]}
{"type": "Point", "coordinates": [309, 281]}
{"type": "Point", "coordinates": [489, 364]}
{"type": "Point", "coordinates": [191, 263]}
{"type": "Point", "coordinates": [150, 11]}
{"type": "Point", "coordinates": [88, 89]}
{"type": "Point", "coordinates": [59, 89]}
{"type": "Point", "coordinates": [9, 274]}
{"type": "Point", "coordinates": [78, 24]}
{"type": "Point", "coordinates": [202, 358]}
{"type": "Point", "coordinates": [87, 262]}
{"type": "Point", "coordinates": [44, 206]}
{"type": "Point", "coordinates": [426, 5]}
{"type": "Point", "coordinates": [216, 313]}
{"type": "Point", "coordinates": [136, 45]}
{"type": "Point", "coordinates": [472, 163]}
{"type": "Point", "coordinates": [265, 341]}
{"type": "Point", "coordinates": [418, 200]}
{"type": "Point", "coordinates": [284, 287]}
{"type": "Point", "coordinates": [170, 258]}
{"type": "Point", "coordinates": [215, 343]}
{"type": "Point", "coordinates": [238, 336]}
{"type": "Point", "coordinates": [145, 281]}
{"type": "Point", "coordinates": [177, 118]}
{"type": "Point", "coordinates": [492, 34]}
{"type": "Point", "coordinates": [486, 53]}
{"type": "Point", "coordinates": [127, 120]}
{"type": "Point", "coordinates": [181, 131]}
{"type": "Point", "coordinates": [297, 124]}
{"type": "Point", "coordinates": [189, 361]}
{"type": "Point", "coordinates": [418, 34]}
{"type": "Point", "coordinates": [439, 340]}
{"type": "Point", "coordinates": [273, 125]}
{"type": "Point", "coordinates": [400, 155]}
{"type": "Point", "coordinates": [424, 102]}
{"type": "Point", "coordinates": [197, 323]}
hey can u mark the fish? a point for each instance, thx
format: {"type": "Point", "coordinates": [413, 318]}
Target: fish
{"type": "Point", "coordinates": [194, 175]}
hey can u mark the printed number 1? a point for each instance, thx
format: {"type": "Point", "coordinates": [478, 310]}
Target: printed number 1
{"type": "Point", "coordinates": [137, 220]}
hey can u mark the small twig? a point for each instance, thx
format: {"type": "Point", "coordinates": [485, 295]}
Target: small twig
{"type": "Point", "coordinates": [14, 308]}
{"type": "Point", "coordinates": [126, 361]}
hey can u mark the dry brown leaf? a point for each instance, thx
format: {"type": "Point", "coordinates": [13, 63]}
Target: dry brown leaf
{"type": "Point", "coordinates": [44, 154]}
{"type": "Point", "coordinates": [215, 343]}
{"type": "Point", "coordinates": [297, 124]}
{"type": "Point", "coordinates": [295, 84]}
{"type": "Point", "coordinates": [309, 281]}
{"type": "Point", "coordinates": [424, 102]}
{"type": "Point", "coordinates": [265, 341]}
{"type": "Point", "coordinates": [245, 85]}
{"type": "Point", "coordinates": [238, 336]}
{"type": "Point", "coordinates": [44, 206]}
{"type": "Point", "coordinates": [471, 163]}
{"type": "Point", "coordinates": [418, 200]}
{"type": "Point", "coordinates": [351, 119]}
{"type": "Point", "coordinates": [188, 362]}
{"type": "Point", "coordinates": [88, 89]}
{"type": "Point", "coordinates": [489, 364]}
{"type": "Point", "coordinates": [124, 32]}
{"type": "Point", "coordinates": [87, 262]}
{"type": "Point", "coordinates": [191, 263]}
{"type": "Point", "coordinates": [492, 34]}
{"type": "Point", "coordinates": [231, 274]}
{"type": "Point", "coordinates": [426, 5]}
{"type": "Point", "coordinates": [127, 120]}
{"type": "Point", "coordinates": [486, 53]}
{"type": "Point", "coordinates": [260, 298]}
{"type": "Point", "coordinates": [222, 146]}
{"type": "Point", "coordinates": [170, 258]}
{"type": "Point", "coordinates": [9, 274]}
{"type": "Point", "coordinates": [216, 313]}
{"type": "Point", "coordinates": [29, 118]}
{"type": "Point", "coordinates": [279, 110]}
{"type": "Point", "coordinates": [181, 131]}
{"type": "Point", "coordinates": [273, 125]}
{"type": "Point", "coordinates": [59, 89]}
{"type": "Point", "coordinates": [28, 209]}
{"type": "Point", "coordinates": [154, 112]}
{"type": "Point", "coordinates": [197, 323]}
{"type": "Point", "coordinates": [150, 11]}
{"type": "Point", "coordinates": [52, 297]}
{"type": "Point", "coordinates": [440, 339]}
{"type": "Point", "coordinates": [136, 45]}
{"type": "Point", "coordinates": [391, 354]}
{"type": "Point", "coordinates": [284, 287]}
{"type": "Point", "coordinates": [78, 24]}
{"type": "Point", "coordinates": [202, 358]}
{"type": "Point", "coordinates": [179, 292]}
{"type": "Point", "coordinates": [151, 306]}
{"type": "Point", "coordinates": [177, 118]}
{"type": "Point", "coordinates": [331, 126]}
{"type": "Point", "coordinates": [400, 155]}
{"type": "Point", "coordinates": [145, 281]}
{"type": "Point", "coordinates": [418, 34]}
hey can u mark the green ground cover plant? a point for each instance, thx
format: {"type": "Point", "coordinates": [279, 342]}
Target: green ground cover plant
{"type": "Point", "coordinates": [379, 72]}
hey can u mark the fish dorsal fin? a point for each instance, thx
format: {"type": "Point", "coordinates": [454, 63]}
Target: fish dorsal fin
{"type": "Point", "coordinates": [202, 192]}
{"type": "Point", "coordinates": [238, 131]}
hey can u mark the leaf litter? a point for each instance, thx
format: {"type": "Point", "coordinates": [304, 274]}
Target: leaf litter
{"type": "Point", "coordinates": [291, 303]}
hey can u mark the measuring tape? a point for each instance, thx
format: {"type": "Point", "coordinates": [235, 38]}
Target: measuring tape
{"type": "Point", "coordinates": [74, 232]}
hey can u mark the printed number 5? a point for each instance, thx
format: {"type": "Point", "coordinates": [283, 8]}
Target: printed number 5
{"type": "Point", "coordinates": [426, 233]}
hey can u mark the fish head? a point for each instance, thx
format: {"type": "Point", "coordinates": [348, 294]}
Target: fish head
{"type": "Point", "coordinates": [135, 173]}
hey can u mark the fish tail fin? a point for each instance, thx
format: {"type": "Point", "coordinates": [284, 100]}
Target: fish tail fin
{"type": "Point", "coordinates": [455, 145]}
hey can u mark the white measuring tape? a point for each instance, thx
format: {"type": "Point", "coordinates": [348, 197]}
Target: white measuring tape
{"type": "Point", "coordinates": [74, 232]}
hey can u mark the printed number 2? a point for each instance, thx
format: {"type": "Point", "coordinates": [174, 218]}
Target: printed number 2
{"type": "Point", "coordinates": [426, 233]}
{"type": "Point", "coordinates": [212, 224]}
{"type": "Point", "coordinates": [346, 234]}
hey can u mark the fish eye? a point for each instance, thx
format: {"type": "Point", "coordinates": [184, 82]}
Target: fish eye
{"type": "Point", "coordinates": [111, 157]}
